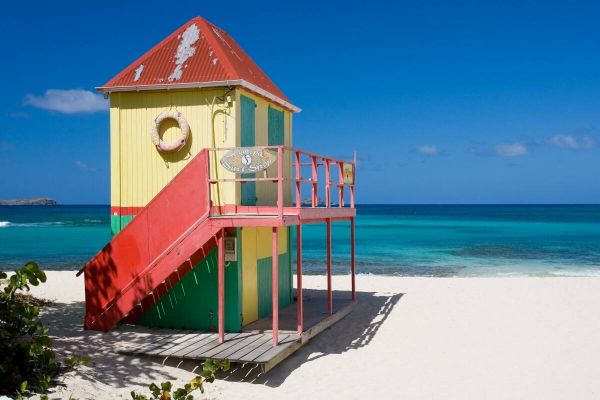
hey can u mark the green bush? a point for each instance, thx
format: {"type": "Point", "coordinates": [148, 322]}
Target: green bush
{"type": "Point", "coordinates": [166, 392]}
{"type": "Point", "coordinates": [27, 360]}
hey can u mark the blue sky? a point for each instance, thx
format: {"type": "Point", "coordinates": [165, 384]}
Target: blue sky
{"type": "Point", "coordinates": [480, 102]}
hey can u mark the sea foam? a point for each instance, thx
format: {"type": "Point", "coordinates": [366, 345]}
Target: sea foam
{"type": "Point", "coordinates": [6, 224]}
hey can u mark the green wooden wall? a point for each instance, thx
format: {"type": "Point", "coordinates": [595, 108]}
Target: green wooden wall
{"type": "Point", "coordinates": [118, 222]}
{"type": "Point", "coordinates": [193, 302]}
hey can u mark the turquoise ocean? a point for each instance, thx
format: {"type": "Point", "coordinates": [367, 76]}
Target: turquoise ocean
{"type": "Point", "coordinates": [405, 240]}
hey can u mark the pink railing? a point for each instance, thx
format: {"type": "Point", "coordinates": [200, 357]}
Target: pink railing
{"type": "Point", "coordinates": [299, 159]}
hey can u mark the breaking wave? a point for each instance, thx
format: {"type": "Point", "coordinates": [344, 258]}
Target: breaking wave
{"type": "Point", "coordinates": [8, 224]}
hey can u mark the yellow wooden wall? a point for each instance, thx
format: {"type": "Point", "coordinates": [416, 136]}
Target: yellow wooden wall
{"type": "Point", "coordinates": [138, 170]}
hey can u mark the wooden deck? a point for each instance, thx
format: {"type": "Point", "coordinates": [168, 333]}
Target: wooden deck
{"type": "Point", "coordinates": [254, 345]}
{"type": "Point", "coordinates": [240, 216]}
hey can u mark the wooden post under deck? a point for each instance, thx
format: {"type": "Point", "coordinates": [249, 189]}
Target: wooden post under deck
{"type": "Point", "coordinates": [329, 294]}
{"type": "Point", "coordinates": [275, 287]}
{"type": "Point", "coordinates": [280, 181]}
{"type": "Point", "coordinates": [299, 311]}
{"type": "Point", "coordinates": [221, 283]}
{"type": "Point", "coordinates": [352, 266]}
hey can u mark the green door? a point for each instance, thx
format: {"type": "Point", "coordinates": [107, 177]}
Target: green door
{"type": "Point", "coordinates": [265, 288]}
{"type": "Point", "coordinates": [248, 140]}
{"type": "Point", "coordinates": [275, 127]}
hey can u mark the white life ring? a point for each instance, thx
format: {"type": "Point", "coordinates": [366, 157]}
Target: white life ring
{"type": "Point", "coordinates": [183, 125]}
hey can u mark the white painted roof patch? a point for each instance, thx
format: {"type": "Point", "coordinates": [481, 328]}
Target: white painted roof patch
{"type": "Point", "coordinates": [138, 72]}
{"type": "Point", "coordinates": [185, 50]}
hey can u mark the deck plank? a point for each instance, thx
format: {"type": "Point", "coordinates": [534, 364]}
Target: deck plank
{"type": "Point", "coordinates": [254, 354]}
{"type": "Point", "coordinates": [283, 345]}
{"type": "Point", "coordinates": [166, 345]}
{"type": "Point", "coordinates": [241, 353]}
{"type": "Point", "coordinates": [198, 352]}
{"type": "Point", "coordinates": [225, 345]}
{"type": "Point", "coordinates": [194, 338]}
{"type": "Point", "coordinates": [185, 350]}
{"type": "Point", "coordinates": [247, 341]}
{"type": "Point", "coordinates": [177, 344]}
{"type": "Point", "coordinates": [156, 338]}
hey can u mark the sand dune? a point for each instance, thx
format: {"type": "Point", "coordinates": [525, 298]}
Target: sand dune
{"type": "Point", "coordinates": [411, 338]}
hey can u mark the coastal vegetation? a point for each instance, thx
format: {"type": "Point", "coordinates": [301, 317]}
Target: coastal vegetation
{"type": "Point", "coordinates": [29, 363]}
{"type": "Point", "coordinates": [28, 360]}
{"type": "Point", "coordinates": [166, 391]}
{"type": "Point", "coordinates": [34, 201]}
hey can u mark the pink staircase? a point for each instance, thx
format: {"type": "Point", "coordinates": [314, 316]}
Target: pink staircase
{"type": "Point", "coordinates": [154, 251]}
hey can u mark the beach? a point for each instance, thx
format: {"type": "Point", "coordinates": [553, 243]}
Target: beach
{"type": "Point", "coordinates": [412, 338]}
{"type": "Point", "coordinates": [427, 228]}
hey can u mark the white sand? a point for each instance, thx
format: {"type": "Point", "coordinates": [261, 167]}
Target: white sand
{"type": "Point", "coordinates": [408, 338]}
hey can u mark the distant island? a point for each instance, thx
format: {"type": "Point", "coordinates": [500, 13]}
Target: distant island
{"type": "Point", "coordinates": [35, 201]}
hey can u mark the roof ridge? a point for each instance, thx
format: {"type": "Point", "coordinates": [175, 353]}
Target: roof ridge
{"type": "Point", "coordinates": [216, 36]}
{"type": "Point", "coordinates": [209, 33]}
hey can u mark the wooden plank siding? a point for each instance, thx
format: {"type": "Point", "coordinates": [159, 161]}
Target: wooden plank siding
{"type": "Point", "coordinates": [264, 284]}
{"type": "Point", "coordinates": [138, 170]}
{"type": "Point", "coordinates": [252, 346]}
{"type": "Point", "coordinates": [192, 302]}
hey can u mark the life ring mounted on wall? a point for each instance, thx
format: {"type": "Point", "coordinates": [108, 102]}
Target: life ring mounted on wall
{"type": "Point", "coordinates": [183, 125]}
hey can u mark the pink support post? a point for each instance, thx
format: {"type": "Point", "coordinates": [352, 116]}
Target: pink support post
{"type": "Point", "coordinates": [299, 311]}
{"type": "Point", "coordinates": [280, 181]}
{"type": "Point", "coordinates": [314, 190]}
{"type": "Point", "coordinates": [221, 283]}
{"type": "Point", "coordinates": [353, 182]}
{"type": "Point", "coordinates": [298, 176]}
{"type": "Point", "coordinates": [327, 184]}
{"type": "Point", "coordinates": [352, 265]}
{"type": "Point", "coordinates": [329, 294]}
{"type": "Point", "coordinates": [275, 287]}
{"type": "Point", "coordinates": [341, 184]}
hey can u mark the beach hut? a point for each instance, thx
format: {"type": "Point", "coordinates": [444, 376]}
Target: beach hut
{"type": "Point", "coordinates": [205, 191]}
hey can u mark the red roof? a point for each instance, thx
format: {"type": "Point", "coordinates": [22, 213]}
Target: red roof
{"type": "Point", "coordinates": [199, 54]}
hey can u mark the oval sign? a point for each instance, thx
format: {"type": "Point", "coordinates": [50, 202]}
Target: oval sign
{"type": "Point", "coordinates": [244, 160]}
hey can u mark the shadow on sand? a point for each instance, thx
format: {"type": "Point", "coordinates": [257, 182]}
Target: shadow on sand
{"type": "Point", "coordinates": [117, 370]}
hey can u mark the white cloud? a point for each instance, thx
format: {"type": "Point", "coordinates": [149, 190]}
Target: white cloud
{"type": "Point", "coordinates": [428, 150]}
{"type": "Point", "coordinates": [511, 149]}
{"type": "Point", "coordinates": [71, 101]}
{"type": "Point", "coordinates": [571, 142]}
{"type": "Point", "coordinates": [588, 142]}
{"type": "Point", "coordinates": [84, 166]}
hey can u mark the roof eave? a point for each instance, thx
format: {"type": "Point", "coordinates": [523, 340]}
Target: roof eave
{"type": "Point", "coordinates": [195, 85]}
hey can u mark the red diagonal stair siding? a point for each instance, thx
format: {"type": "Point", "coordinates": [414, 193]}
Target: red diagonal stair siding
{"type": "Point", "coordinates": [155, 250]}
